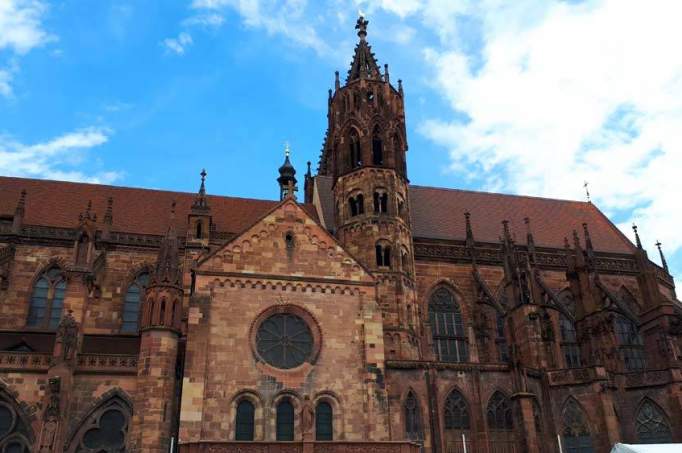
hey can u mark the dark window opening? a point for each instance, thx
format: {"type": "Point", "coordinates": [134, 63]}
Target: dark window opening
{"type": "Point", "coordinates": [131, 303]}
{"type": "Point", "coordinates": [652, 425]}
{"type": "Point", "coordinates": [380, 202]}
{"type": "Point", "coordinates": [630, 344]}
{"type": "Point", "coordinates": [199, 231]}
{"type": "Point", "coordinates": [289, 240]}
{"type": "Point", "coordinates": [450, 342]}
{"type": "Point", "coordinates": [356, 205]}
{"type": "Point", "coordinates": [354, 151]}
{"type": "Point", "coordinates": [245, 421]}
{"type": "Point", "coordinates": [576, 437]}
{"type": "Point", "coordinates": [569, 342]}
{"type": "Point", "coordinates": [285, 421]}
{"type": "Point", "coordinates": [47, 300]}
{"type": "Point", "coordinates": [413, 425]}
{"type": "Point", "coordinates": [501, 340]}
{"type": "Point", "coordinates": [377, 148]}
{"type": "Point", "coordinates": [383, 255]}
{"type": "Point", "coordinates": [324, 425]}
{"type": "Point", "coordinates": [456, 412]}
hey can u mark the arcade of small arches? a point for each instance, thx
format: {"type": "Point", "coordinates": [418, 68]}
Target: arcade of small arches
{"type": "Point", "coordinates": [251, 423]}
{"type": "Point", "coordinates": [501, 413]}
{"type": "Point", "coordinates": [354, 156]}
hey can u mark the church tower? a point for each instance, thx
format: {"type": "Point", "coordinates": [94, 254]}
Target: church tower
{"type": "Point", "coordinates": [364, 153]}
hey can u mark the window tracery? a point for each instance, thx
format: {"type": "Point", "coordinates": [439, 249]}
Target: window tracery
{"type": "Point", "coordinates": [105, 429]}
{"type": "Point", "coordinates": [652, 424]}
{"type": "Point", "coordinates": [131, 303]}
{"type": "Point", "coordinates": [413, 424]}
{"type": "Point", "coordinates": [630, 343]}
{"type": "Point", "coordinates": [284, 340]}
{"type": "Point", "coordinates": [354, 154]}
{"type": "Point", "coordinates": [14, 433]}
{"type": "Point", "coordinates": [383, 255]}
{"type": "Point", "coordinates": [449, 337]}
{"type": "Point", "coordinates": [576, 437]}
{"type": "Point", "coordinates": [499, 413]}
{"type": "Point", "coordinates": [456, 412]}
{"type": "Point", "coordinates": [47, 300]}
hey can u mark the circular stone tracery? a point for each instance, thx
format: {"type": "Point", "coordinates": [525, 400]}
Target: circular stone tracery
{"type": "Point", "coordinates": [284, 340]}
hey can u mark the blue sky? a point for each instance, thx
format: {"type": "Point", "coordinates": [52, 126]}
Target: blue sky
{"type": "Point", "coordinates": [531, 96]}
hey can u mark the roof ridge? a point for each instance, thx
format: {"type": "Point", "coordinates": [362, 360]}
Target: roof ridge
{"type": "Point", "coordinates": [533, 197]}
{"type": "Point", "coordinates": [111, 186]}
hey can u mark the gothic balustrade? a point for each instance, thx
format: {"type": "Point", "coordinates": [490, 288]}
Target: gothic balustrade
{"type": "Point", "coordinates": [651, 377]}
{"type": "Point", "coordinates": [576, 376]}
{"type": "Point", "coordinates": [86, 363]}
{"type": "Point", "coordinates": [299, 447]}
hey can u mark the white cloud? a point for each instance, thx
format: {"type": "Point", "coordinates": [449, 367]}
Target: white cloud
{"type": "Point", "coordinates": [178, 45]}
{"type": "Point", "coordinates": [52, 159]}
{"type": "Point", "coordinates": [285, 18]}
{"type": "Point", "coordinates": [212, 20]}
{"type": "Point", "coordinates": [20, 25]}
{"type": "Point", "coordinates": [567, 93]}
{"type": "Point", "coordinates": [5, 83]}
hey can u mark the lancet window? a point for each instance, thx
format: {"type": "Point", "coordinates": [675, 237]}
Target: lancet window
{"type": "Point", "coordinates": [449, 338]}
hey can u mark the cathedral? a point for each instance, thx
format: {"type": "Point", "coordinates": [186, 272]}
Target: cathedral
{"type": "Point", "coordinates": [357, 314]}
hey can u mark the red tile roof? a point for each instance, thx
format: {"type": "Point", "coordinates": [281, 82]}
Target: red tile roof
{"type": "Point", "coordinates": [436, 213]}
{"type": "Point", "coordinates": [143, 211]}
{"type": "Point", "coordinates": [439, 214]}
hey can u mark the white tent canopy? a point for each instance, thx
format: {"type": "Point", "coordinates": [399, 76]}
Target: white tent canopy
{"type": "Point", "coordinates": [647, 448]}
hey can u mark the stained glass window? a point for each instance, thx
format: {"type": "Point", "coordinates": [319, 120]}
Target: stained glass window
{"type": "Point", "coordinates": [449, 338]}
{"type": "Point", "coordinates": [576, 436]}
{"type": "Point", "coordinates": [284, 340]}
{"type": "Point", "coordinates": [47, 300]}
{"type": "Point", "coordinates": [456, 412]}
{"type": "Point", "coordinates": [413, 424]}
{"type": "Point", "coordinates": [630, 344]}
{"type": "Point", "coordinates": [499, 413]}
{"type": "Point", "coordinates": [245, 420]}
{"type": "Point", "coordinates": [324, 416]}
{"type": "Point", "coordinates": [285, 421]}
{"type": "Point", "coordinates": [131, 303]}
{"type": "Point", "coordinates": [652, 425]}
{"type": "Point", "coordinates": [569, 342]}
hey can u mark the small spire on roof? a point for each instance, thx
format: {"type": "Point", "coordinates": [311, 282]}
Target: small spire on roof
{"type": "Point", "coordinates": [587, 191]}
{"type": "Point", "coordinates": [530, 241]}
{"type": "Point", "coordinates": [109, 213]}
{"type": "Point", "coordinates": [660, 252]}
{"type": "Point", "coordinates": [337, 81]}
{"type": "Point", "coordinates": [287, 176]}
{"type": "Point", "coordinates": [400, 87]}
{"type": "Point", "coordinates": [639, 243]}
{"type": "Point", "coordinates": [19, 212]}
{"type": "Point", "coordinates": [200, 201]}
{"type": "Point", "coordinates": [386, 78]}
{"type": "Point", "coordinates": [88, 215]}
{"type": "Point", "coordinates": [309, 173]}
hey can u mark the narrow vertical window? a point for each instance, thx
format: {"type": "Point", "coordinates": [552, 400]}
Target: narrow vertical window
{"type": "Point", "coordinates": [500, 423]}
{"type": "Point", "coordinates": [354, 150]}
{"type": "Point", "coordinates": [377, 148]}
{"type": "Point", "coordinates": [449, 338]}
{"type": "Point", "coordinates": [47, 300]}
{"type": "Point", "coordinates": [361, 203]}
{"type": "Point", "coordinates": [324, 415]}
{"type": "Point", "coordinates": [131, 303]}
{"type": "Point", "coordinates": [383, 255]}
{"type": "Point", "coordinates": [199, 231]}
{"type": "Point", "coordinates": [244, 421]}
{"type": "Point", "coordinates": [413, 424]}
{"type": "Point", "coordinates": [630, 344]}
{"type": "Point", "coordinates": [285, 421]}
{"type": "Point", "coordinates": [501, 340]}
{"type": "Point", "coordinates": [569, 342]}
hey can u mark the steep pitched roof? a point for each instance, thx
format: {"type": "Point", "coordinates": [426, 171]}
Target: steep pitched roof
{"type": "Point", "coordinates": [135, 210]}
{"type": "Point", "coordinates": [438, 213]}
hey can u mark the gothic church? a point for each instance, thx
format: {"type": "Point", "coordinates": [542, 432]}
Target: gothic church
{"type": "Point", "coordinates": [367, 315]}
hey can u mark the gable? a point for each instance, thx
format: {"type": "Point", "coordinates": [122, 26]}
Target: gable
{"type": "Point", "coordinates": [286, 242]}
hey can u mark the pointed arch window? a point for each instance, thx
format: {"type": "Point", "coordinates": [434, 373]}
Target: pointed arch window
{"type": "Point", "coordinates": [413, 423]}
{"type": "Point", "coordinates": [501, 340]}
{"type": "Point", "coordinates": [449, 337]}
{"type": "Point", "coordinates": [244, 422]}
{"type": "Point", "coordinates": [131, 303]}
{"type": "Point", "coordinates": [14, 433]}
{"type": "Point", "coordinates": [383, 255]}
{"type": "Point", "coordinates": [377, 147]}
{"type": "Point", "coordinates": [652, 425]}
{"type": "Point", "coordinates": [354, 155]}
{"type": "Point", "coordinates": [285, 421]}
{"type": "Point", "coordinates": [47, 300]}
{"type": "Point", "coordinates": [324, 421]}
{"type": "Point", "coordinates": [82, 250]}
{"type": "Point", "coordinates": [630, 344]}
{"type": "Point", "coordinates": [456, 412]}
{"type": "Point", "coordinates": [105, 429]}
{"type": "Point", "coordinates": [499, 413]}
{"type": "Point", "coordinates": [575, 437]}
{"type": "Point", "coordinates": [569, 342]}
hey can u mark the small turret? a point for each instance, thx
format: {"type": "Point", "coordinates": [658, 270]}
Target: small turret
{"type": "Point", "coordinates": [287, 177]}
{"type": "Point", "coordinates": [19, 212]}
{"type": "Point", "coordinates": [199, 219]}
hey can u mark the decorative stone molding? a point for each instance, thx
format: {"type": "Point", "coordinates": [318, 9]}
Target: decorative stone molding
{"type": "Point", "coordinates": [298, 447]}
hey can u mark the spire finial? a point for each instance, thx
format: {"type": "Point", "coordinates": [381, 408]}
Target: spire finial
{"type": "Point", "coordinates": [660, 252]}
{"type": "Point", "coordinates": [309, 173]}
{"type": "Point", "coordinates": [200, 203]}
{"type": "Point", "coordinates": [202, 189]}
{"type": "Point", "coordinates": [587, 191]}
{"type": "Point", "coordinates": [386, 77]}
{"type": "Point", "coordinates": [361, 27]}
{"type": "Point", "coordinates": [337, 81]}
{"type": "Point", "coordinates": [634, 228]}
{"type": "Point", "coordinates": [400, 86]}
{"type": "Point", "coordinates": [287, 150]}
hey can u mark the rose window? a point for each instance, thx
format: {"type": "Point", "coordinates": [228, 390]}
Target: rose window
{"type": "Point", "coordinates": [284, 341]}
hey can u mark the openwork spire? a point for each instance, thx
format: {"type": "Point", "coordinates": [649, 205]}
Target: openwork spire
{"type": "Point", "coordinates": [201, 202]}
{"type": "Point", "coordinates": [364, 64]}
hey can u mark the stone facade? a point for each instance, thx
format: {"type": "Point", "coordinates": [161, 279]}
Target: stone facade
{"type": "Point", "coordinates": [373, 316]}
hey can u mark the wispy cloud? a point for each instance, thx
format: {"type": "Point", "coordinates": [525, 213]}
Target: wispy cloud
{"type": "Point", "coordinates": [566, 94]}
{"type": "Point", "coordinates": [21, 30]}
{"type": "Point", "coordinates": [211, 20]}
{"type": "Point", "coordinates": [58, 158]}
{"type": "Point", "coordinates": [286, 18]}
{"type": "Point", "coordinates": [178, 45]}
